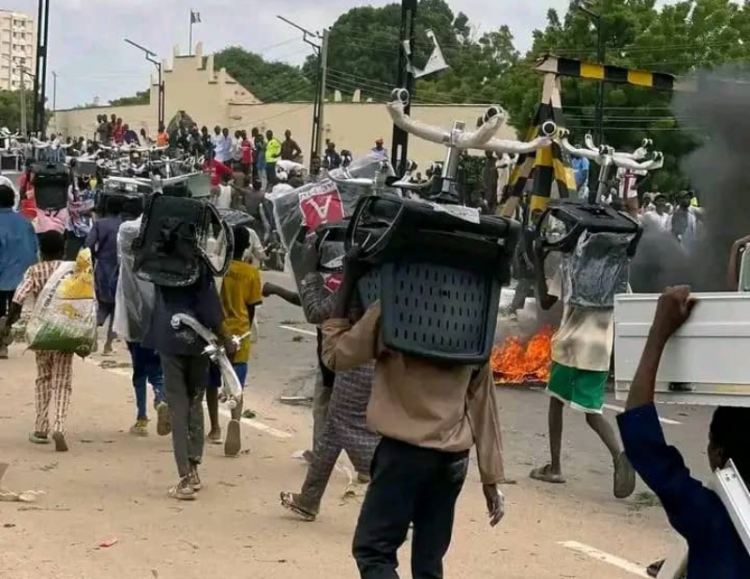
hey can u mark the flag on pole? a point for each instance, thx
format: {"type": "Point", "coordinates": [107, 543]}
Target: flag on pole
{"type": "Point", "coordinates": [195, 17]}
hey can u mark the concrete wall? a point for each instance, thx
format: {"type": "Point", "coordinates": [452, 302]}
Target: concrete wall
{"type": "Point", "coordinates": [213, 97]}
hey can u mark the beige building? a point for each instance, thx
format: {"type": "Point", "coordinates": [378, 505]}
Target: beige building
{"type": "Point", "coordinates": [17, 50]}
{"type": "Point", "coordinates": [212, 97]}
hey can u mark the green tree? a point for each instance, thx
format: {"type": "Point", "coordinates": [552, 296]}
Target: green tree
{"type": "Point", "coordinates": [10, 109]}
{"type": "Point", "coordinates": [142, 97]}
{"type": "Point", "coordinates": [268, 81]}
{"type": "Point", "coordinates": [364, 52]}
{"type": "Point", "coordinates": [677, 39]}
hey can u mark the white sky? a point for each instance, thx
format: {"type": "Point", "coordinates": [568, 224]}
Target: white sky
{"type": "Point", "coordinates": [87, 51]}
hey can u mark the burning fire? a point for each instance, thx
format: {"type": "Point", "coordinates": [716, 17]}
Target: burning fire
{"type": "Point", "coordinates": [516, 363]}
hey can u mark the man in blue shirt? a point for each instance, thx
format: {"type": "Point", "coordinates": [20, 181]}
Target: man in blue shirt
{"type": "Point", "coordinates": [18, 251]}
{"type": "Point", "coordinates": [715, 549]}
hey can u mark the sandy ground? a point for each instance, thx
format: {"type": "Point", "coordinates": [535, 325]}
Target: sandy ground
{"type": "Point", "coordinates": [112, 487]}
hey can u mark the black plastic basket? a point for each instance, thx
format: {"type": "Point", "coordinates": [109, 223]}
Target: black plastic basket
{"type": "Point", "coordinates": [437, 277]}
{"type": "Point", "coordinates": [51, 182]}
{"type": "Point", "coordinates": [575, 217]}
{"type": "Point", "coordinates": [171, 247]}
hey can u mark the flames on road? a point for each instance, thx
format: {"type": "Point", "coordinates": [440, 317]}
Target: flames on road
{"type": "Point", "coordinates": [515, 362]}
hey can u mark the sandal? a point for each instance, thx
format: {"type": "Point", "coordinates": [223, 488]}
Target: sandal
{"type": "Point", "coordinates": [544, 474]}
{"type": "Point", "coordinates": [289, 502]}
{"type": "Point", "coordinates": [39, 438]}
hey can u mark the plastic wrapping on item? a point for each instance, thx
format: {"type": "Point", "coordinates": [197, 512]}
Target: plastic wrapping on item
{"type": "Point", "coordinates": [64, 317]}
{"type": "Point", "coordinates": [596, 270]}
{"type": "Point", "coordinates": [134, 299]}
{"type": "Point", "coordinates": [299, 212]}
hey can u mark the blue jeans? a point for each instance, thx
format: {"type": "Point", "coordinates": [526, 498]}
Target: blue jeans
{"type": "Point", "coordinates": [214, 375]}
{"type": "Point", "coordinates": [146, 368]}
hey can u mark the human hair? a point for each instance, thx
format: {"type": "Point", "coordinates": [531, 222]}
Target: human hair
{"type": "Point", "coordinates": [241, 240]}
{"type": "Point", "coordinates": [7, 197]}
{"type": "Point", "coordinates": [728, 433]}
{"type": "Point", "coordinates": [51, 245]}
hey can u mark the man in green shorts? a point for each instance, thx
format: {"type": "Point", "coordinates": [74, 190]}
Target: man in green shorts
{"type": "Point", "coordinates": [581, 354]}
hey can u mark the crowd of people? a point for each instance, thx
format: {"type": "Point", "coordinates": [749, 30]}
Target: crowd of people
{"type": "Point", "coordinates": [407, 424]}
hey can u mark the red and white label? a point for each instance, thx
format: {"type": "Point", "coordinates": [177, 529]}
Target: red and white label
{"type": "Point", "coordinates": [321, 205]}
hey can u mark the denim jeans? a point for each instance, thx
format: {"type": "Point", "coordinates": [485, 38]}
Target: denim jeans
{"type": "Point", "coordinates": [146, 368]}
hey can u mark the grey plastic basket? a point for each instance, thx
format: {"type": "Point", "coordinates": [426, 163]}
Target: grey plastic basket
{"type": "Point", "coordinates": [435, 311]}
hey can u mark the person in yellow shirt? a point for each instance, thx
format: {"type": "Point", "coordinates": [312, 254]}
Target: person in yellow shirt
{"type": "Point", "coordinates": [240, 294]}
{"type": "Point", "coordinates": [273, 154]}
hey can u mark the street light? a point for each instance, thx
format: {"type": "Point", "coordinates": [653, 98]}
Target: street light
{"type": "Point", "coordinates": [151, 57]}
{"type": "Point", "coordinates": [585, 6]}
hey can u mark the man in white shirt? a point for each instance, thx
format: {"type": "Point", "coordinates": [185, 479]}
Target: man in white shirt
{"type": "Point", "coordinates": [221, 196]}
{"type": "Point", "coordinates": [222, 143]}
{"type": "Point", "coordinates": [659, 217]}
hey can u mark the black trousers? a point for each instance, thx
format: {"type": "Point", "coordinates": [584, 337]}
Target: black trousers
{"type": "Point", "coordinates": [6, 298]}
{"type": "Point", "coordinates": [409, 485]}
{"type": "Point", "coordinates": [73, 244]}
{"type": "Point", "coordinates": [185, 379]}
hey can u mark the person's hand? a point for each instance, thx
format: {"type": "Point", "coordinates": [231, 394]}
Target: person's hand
{"type": "Point", "coordinates": [672, 311]}
{"type": "Point", "coordinates": [230, 347]}
{"type": "Point", "coordinates": [268, 290]}
{"type": "Point", "coordinates": [495, 503]}
{"type": "Point", "coordinates": [742, 242]}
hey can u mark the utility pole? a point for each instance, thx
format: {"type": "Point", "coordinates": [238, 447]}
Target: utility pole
{"type": "Point", "coordinates": [405, 79]}
{"type": "Point", "coordinates": [22, 92]}
{"type": "Point", "coordinates": [586, 6]}
{"type": "Point", "coordinates": [322, 96]}
{"type": "Point", "coordinates": [40, 78]}
{"type": "Point", "coordinates": [54, 97]}
{"type": "Point", "coordinates": [320, 47]}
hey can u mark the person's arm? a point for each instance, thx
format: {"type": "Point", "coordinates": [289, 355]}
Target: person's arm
{"type": "Point", "coordinates": [661, 467]}
{"type": "Point", "coordinates": [672, 311]}
{"type": "Point", "coordinates": [482, 411]}
{"type": "Point", "coordinates": [93, 237]}
{"type": "Point", "coordinates": [546, 300]}
{"type": "Point", "coordinates": [733, 270]}
{"type": "Point", "coordinates": [317, 302]}
{"type": "Point", "coordinates": [272, 289]}
{"type": "Point", "coordinates": [296, 151]}
{"type": "Point", "coordinates": [28, 286]}
{"type": "Point", "coordinates": [254, 295]}
{"type": "Point", "coordinates": [346, 347]}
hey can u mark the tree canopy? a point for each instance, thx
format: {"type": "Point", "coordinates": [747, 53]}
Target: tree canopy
{"type": "Point", "coordinates": [142, 97]}
{"type": "Point", "coordinates": [10, 109]}
{"type": "Point", "coordinates": [487, 67]}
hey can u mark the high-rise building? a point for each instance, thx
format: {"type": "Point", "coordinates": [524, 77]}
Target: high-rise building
{"type": "Point", "coordinates": [17, 50]}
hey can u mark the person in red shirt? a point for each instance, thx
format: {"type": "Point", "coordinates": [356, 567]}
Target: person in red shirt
{"type": "Point", "coordinates": [247, 154]}
{"type": "Point", "coordinates": [216, 169]}
{"type": "Point", "coordinates": [118, 132]}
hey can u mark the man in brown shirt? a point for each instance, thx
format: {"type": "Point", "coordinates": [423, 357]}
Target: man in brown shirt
{"type": "Point", "coordinates": [429, 416]}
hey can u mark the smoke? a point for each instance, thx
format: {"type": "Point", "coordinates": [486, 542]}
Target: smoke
{"type": "Point", "coordinates": [660, 262]}
{"type": "Point", "coordinates": [719, 170]}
